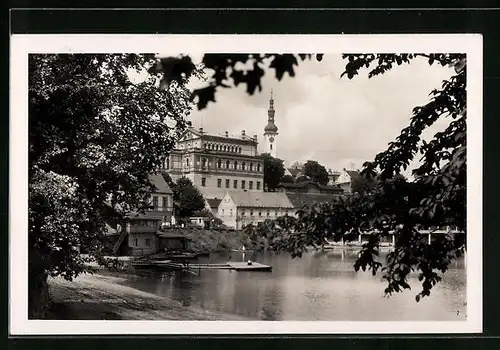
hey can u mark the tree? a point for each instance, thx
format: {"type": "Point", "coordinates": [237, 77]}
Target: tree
{"type": "Point", "coordinates": [316, 172]}
{"type": "Point", "coordinates": [273, 171]}
{"type": "Point", "coordinates": [362, 183]}
{"type": "Point", "coordinates": [94, 136]}
{"type": "Point", "coordinates": [189, 199]}
{"type": "Point", "coordinates": [287, 179]}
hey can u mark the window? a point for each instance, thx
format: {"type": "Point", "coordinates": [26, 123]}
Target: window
{"type": "Point", "coordinates": [250, 185]}
{"type": "Point", "coordinates": [243, 166]}
{"type": "Point", "coordinates": [227, 183]}
{"type": "Point", "coordinates": [243, 184]}
{"type": "Point", "coordinates": [136, 242]}
{"type": "Point", "coordinates": [235, 183]}
{"type": "Point", "coordinates": [227, 164]}
{"type": "Point", "coordinates": [260, 213]}
{"type": "Point", "coordinates": [167, 163]}
{"type": "Point", "coordinates": [271, 147]}
{"type": "Point", "coordinates": [222, 211]}
{"type": "Point", "coordinates": [230, 212]}
{"type": "Point", "coordinates": [187, 161]}
{"type": "Point", "coordinates": [203, 182]}
{"type": "Point", "coordinates": [224, 148]}
{"type": "Point", "coordinates": [258, 185]}
{"type": "Point", "coordinates": [165, 202]}
{"type": "Point", "coordinates": [219, 163]}
{"type": "Point", "coordinates": [239, 150]}
{"type": "Point", "coordinates": [268, 213]}
{"type": "Point", "coordinates": [243, 213]}
{"type": "Point", "coordinates": [219, 183]}
{"type": "Point", "coordinates": [258, 167]}
{"type": "Point", "coordinates": [203, 162]}
{"type": "Point", "coordinates": [155, 202]}
{"type": "Point", "coordinates": [235, 165]}
{"type": "Point", "coordinates": [148, 242]}
{"type": "Point", "coordinates": [251, 166]}
{"type": "Point", "coordinates": [251, 212]}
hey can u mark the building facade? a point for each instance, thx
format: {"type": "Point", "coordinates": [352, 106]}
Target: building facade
{"type": "Point", "coordinates": [238, 209]}
{"type": "Point", "coordinates": [140, 233]}
{"type": "Point", "coordinates": [217, 163]}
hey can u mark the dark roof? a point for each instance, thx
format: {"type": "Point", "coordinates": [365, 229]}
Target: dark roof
{"type": "Point", "coordinates": [294, 171]}
{"type": "Point", "coordinates": [271, 127]}
{"type": "Point", "coordinates": [159, 182]}
{"type": "Point", "coordinates": [299, 199]}
{"type": "Point", "coordinates": [213, 202]}
{"type": "Point", "coordinates": [309, 183]}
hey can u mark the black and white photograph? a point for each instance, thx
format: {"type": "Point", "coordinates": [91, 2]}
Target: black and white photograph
{"type": "Point", "coordinates": [274, 184]}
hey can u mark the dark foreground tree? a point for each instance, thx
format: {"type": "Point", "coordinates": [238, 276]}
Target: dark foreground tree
{"type": "Point", "coordinates": [287, 179]}
{"type": "Point", "coordinates": [188, 198]}
{"type": "Point", "coordinates": [274, 171]}
{"type": "Point", "coordinates": [316, 172]}
{"type": "Point", "coordinates": [94, 136]}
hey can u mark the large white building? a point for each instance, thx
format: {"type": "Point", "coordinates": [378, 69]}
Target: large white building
{"type": "Point", "coordinates": [217, 164]}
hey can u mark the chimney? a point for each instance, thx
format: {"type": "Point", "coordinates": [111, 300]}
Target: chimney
{"type": "Point", "coordinates": [242, 132]}
{"type": "Point", "coordinates": [227, 134]}
{"type": "Point", "coordinates": [201, 130]}
{"type": "Point", "coordinates": [255, 137]}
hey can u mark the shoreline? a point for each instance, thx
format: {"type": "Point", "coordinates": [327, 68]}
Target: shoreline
{"type": "Point", "coordinates": [100, 297]}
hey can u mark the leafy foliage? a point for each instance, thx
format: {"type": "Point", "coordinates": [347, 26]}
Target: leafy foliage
{"type": "Point", "coordinates": [94, 136]}
{"type": "Point", "coordinates": [273, 171]}
{"type": "Point", "coordinates": [188, 198]}
{"type": "Point", "coordinates": [230, 70]}
{"type": "Point", "coordinates": [316, 172]}
{"type": "Point", "coordinates": [287, 179]}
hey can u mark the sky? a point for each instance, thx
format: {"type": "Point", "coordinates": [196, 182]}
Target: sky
{"type": "Point", "coordinates": [338, 122]}
{"type": "Point", "coordinates": [320, 116]}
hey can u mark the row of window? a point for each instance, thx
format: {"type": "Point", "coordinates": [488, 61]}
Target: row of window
{"type": "Point", "coordinates": [223, 148]}
{"type": "Point", "coordinates": [243, 213]}
{"type": "Point", "coordinates": [148, 242]}
{"type": "Point", "coordinates": [156, 205]}
{"type": "Point", "coordinates": [235, 184]}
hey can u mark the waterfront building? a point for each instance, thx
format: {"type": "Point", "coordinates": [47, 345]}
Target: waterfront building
{"type": "Point", "coordinates": [139, 234]}
{"type": "Point", "coordinates": [217, 163]}
{"type": "Point", "coordinates": [238, 209]}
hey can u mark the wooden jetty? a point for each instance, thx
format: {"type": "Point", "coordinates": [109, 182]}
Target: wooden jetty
{"type": "Point", "coordinates": [238, 266]}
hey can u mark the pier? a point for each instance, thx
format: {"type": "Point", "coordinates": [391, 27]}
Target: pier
{"type": "Point", "coordinates": [238, 266]}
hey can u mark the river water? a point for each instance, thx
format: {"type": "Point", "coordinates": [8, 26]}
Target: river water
{"type": "Point", "coordinates": [320, 286]}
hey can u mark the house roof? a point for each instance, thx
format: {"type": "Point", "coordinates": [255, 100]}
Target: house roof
{"type": "Point", "coordinates": [261, 199]}
{"type": "Point", "coordinates": [245, 139]}
{"type": "Point", "coordinates": [160, 184]}
{"type": "Point", "coordinates": [213, 202]}
{"type": "Point", "coordinates": [309, 183]}
{"type": "Point", "coordinates": [299, 199]}
{"type": "Point", "coordinates": [294, 171]}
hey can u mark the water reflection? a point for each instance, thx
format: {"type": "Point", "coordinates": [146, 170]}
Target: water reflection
{"type": "Point", "coordinates": [318, 286]}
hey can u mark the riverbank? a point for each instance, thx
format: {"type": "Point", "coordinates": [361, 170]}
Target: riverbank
{"type": "Point", "coordinates": [221, 240]}
{"type": "Point", "coordinates": [98, 297]}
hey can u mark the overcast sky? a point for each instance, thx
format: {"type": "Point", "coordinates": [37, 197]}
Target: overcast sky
{"type": "Point", "coordinates": [339, 122]}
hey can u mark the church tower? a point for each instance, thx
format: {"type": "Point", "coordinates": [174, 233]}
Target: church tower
{"type": "Point", "coordinates": [271, 130]}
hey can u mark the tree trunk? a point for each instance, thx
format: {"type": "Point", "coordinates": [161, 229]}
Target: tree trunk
{"type": "Point", "coordinates": [38, 292]}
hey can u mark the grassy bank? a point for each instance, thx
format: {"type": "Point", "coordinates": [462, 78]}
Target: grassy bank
{"type": "Point", "coordinates": [220, 240]}
{"type": "Point", "coordinates": [98, 297]}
